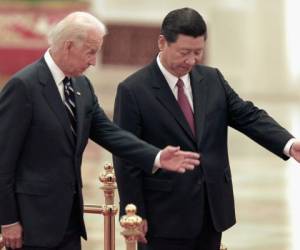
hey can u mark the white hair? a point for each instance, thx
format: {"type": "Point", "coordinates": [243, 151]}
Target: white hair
{"type": "Point", "coordinates": [74, 27]}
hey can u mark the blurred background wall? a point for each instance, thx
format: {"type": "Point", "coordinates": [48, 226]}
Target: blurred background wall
{"type": "Point", "coordinates": [256, 45]}
{"type": "Point", "coordinates": [253, 42]}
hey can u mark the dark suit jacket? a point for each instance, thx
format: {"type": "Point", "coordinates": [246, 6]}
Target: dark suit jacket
{"type": "Point", "coordinates": [171, 202]}
{"type": "Point", "coordinates": [40, 159]}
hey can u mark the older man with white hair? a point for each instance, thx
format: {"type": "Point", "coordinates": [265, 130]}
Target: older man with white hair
{"type": "Point", "coordinates": [48, 111]}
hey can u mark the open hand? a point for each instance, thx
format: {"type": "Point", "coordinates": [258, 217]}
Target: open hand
{"type": "Point", "coordinates": [12, 236]}
{"type": "Point", "coordinates": [173, 159]}
{"type": "Point", "coordinates": [295, 150]}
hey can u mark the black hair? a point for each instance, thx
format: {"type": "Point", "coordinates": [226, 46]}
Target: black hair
{"type": "Point", "coordinates": [186, 21]}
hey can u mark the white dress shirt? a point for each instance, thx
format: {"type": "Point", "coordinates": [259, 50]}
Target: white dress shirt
{"type": "Point", "coordinates": [172, 80]}
{"type": "Point", "coordinates": [57, 74]}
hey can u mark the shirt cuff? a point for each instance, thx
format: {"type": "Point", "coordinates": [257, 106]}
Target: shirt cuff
{"type": "Point", "coordinates": [288, 146]}
{"type": "Point", "coordinates": [157, 164]}
{"type": "Point", "coordinates": [9, 225]}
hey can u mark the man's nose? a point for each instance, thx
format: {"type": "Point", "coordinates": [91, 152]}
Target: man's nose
{"type": "Point", "coordinates": [93, 61]}
{"type": "Point", "coordinates": [191, 60]}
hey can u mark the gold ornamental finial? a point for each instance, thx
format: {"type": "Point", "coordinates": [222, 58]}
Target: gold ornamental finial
{"type": "Point", "coordinates": [108, 179]}
{"type": "Point", "coordinates": [108, 176]}
{"type": "Point", "coordinates": [131, 224]}
{"type": "Point", "coordinates": [130, 210]}
{"type": "Point", "coordinates": [130, 220]}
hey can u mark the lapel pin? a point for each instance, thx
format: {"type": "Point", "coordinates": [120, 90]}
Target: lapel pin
{"type": "Point", "coordinates": [78, 93]}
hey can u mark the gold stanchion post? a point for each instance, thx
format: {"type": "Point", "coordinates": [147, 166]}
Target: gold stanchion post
{"type": "Point", "coordinates": [131, 224]}
{"type": "Point", "coordinates": [108, 180]}
{"type": "Point", "coordinates": [109, 210]}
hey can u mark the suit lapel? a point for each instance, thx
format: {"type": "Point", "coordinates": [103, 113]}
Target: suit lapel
{"type": "Point", "coordinates": [165, 96]}
{"type": "Point", "coordinates": [54, 100]}
{"type": "Point", "coordinates": [199, 89]}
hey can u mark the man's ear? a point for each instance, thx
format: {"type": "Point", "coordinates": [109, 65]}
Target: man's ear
{"type": "Point", "coordinates": [162, 42]}
{"type": "Point", "coordinates": [68, 44]}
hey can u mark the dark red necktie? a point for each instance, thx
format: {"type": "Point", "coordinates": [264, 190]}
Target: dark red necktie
{"type": "Point", "coordinates": [185, 105]}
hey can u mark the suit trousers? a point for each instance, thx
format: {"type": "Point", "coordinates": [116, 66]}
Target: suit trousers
{"type": "Point", "coordinates": [71, 239]}
{"type": "Point", "coordinates": [208, 238]}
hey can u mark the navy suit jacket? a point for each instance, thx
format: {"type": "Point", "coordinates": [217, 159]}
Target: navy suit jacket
{"type": "Point", "coordinates": [171, 202]}
{"type": "Point", "coordinates": [40, 159]}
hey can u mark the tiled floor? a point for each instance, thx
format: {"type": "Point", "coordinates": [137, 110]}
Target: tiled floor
{"type": "Point", "coordinates": [266, 191]}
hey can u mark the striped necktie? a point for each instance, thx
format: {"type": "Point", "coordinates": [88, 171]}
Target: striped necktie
{"type": "Point", "coordinates": [70, 103]}
{"type": "Point", "coordinates": [185, 105]}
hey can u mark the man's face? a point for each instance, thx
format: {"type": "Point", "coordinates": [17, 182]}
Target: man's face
{"type": "Point", "coordinates": [179, 57]}
{"type": "Point", "coordinates": [79, 56]}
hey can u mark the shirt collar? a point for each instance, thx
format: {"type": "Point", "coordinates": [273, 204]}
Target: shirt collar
{"type": "Point", "coordinates": [56, 72]}
{"type": "Point", "coordinates": [171, 79]}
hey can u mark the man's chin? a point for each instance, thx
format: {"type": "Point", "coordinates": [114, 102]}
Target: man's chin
{"type": "Point", "coordinates": [183, 71]}
{"type": "Point", "coordinates": [76, 74]}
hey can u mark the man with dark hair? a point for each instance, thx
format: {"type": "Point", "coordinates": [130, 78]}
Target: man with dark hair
{"type": "Point", "coordinates": [174, 100]}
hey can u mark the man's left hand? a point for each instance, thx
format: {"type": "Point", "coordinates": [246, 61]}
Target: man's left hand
{"type": "Point", "coordinates": [295, 150]}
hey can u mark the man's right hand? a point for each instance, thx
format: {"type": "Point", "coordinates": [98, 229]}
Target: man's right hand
{"type": "Point", "coordinates": [12, 236]}
{"type": "Point", "coordinates": [174, 159]}
{"type": "Point", "coordinates": [143, 229]}
{"type": "Point", "coordinates": [1, 242]}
